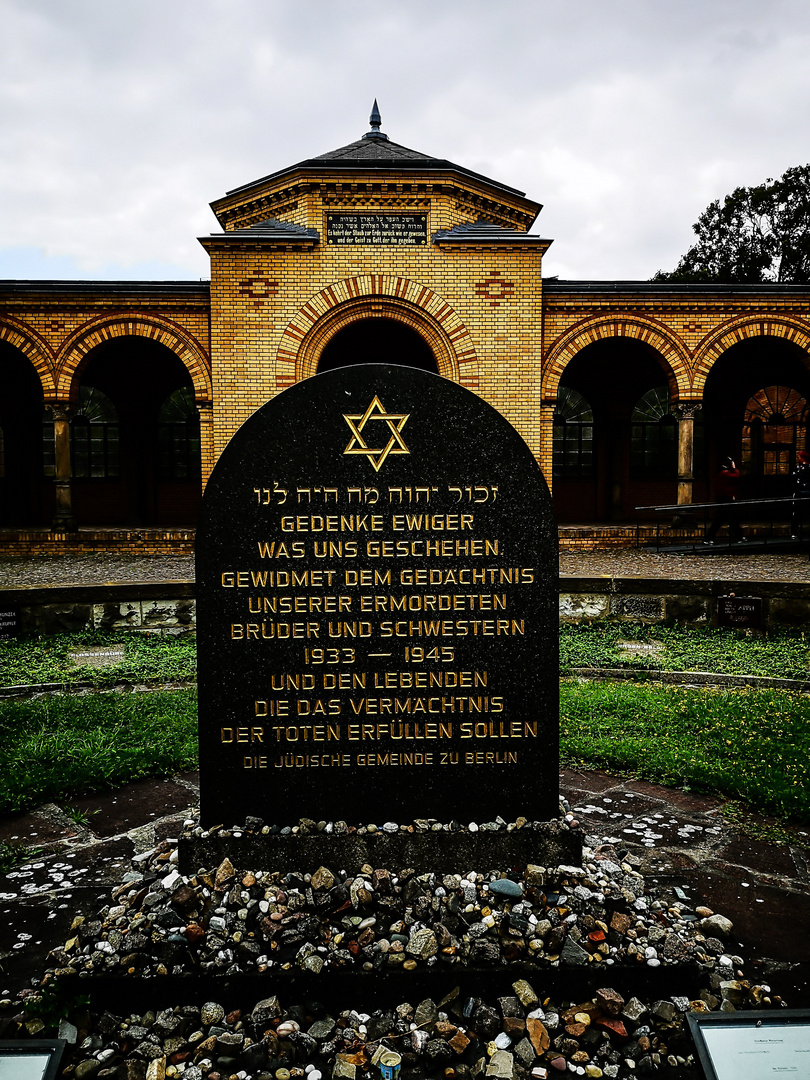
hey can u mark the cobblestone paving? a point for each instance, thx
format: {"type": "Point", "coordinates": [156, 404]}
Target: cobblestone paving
{"type": "Point", "coordinates": [636, 562]}
{"type": "Point", "coordinates": [94, 569]}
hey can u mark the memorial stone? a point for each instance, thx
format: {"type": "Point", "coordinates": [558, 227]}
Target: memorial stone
{"type": "Point", "coordinates": [9, 624]}
{"type": "Point", "coordinates": [740, 612]}
{"type": "Point", "coordinates": [377, 610]}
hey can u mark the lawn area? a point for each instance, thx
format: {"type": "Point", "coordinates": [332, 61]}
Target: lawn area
{"type": "Point", "coordinates": [751, 745]}
{"type": "Point", "coordinates": [748, 745]}
{"type": "Point", "coordinates": [678, 648]}
{"type": "Point", "coordinates": [67, 744]}
{"type": "Point", "coordinates": [157, 658]}
{"type": "Point", "coordinates": [147, 658]}
{"type": "Point", "coordinates": [173, 658]}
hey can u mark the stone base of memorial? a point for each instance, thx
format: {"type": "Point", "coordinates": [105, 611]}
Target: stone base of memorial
{"type": "Point", "coordinates": [547, 843]}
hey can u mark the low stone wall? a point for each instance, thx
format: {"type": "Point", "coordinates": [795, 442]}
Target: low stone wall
{"type": "Point", "coordinates": [170, 606]}
{"type": "Point", "coordinates": [155, 541]}
{"type": "Point", "coordinates": [785, 604]}
{"type": "Point", "coordinates": [574, 538]}
{"type": "Point", "coordinates": [144, 606]}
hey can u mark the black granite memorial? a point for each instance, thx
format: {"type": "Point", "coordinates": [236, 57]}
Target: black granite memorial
{"type": "Point", "coordinates": [377, 610]}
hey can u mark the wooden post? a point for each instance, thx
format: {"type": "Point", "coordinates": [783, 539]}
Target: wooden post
{"type": "Point", "coordinates": [64, 519]}
{"type": "Point", "coordinates": [685, 412]}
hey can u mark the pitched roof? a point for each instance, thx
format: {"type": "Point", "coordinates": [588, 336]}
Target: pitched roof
{"type": "Point", "coordinates": [270, 230]}
{"type": "Point", "coordinates": [485, 232]}
{"type": "Point", "coordinates": [375, 150]}
{"type": "Point", "coordinates": [273, 229]}
{"type": "Point", "coordinates": [383, 156]}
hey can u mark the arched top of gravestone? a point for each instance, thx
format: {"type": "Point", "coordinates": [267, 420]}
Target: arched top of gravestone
{"type": "Point", "coordinates": [377, 609]}
{"type": "Point", "coordinates": [377, 425]}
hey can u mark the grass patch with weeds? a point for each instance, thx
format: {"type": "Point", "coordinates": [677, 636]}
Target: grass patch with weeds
{"type": "Point", "coordinates": [752, 745]}
{"type": "Point", "coordinates": [773, 832]}
{"type": "Point", "coordinates": [173, 658]}
{"type": "Point", "coordinates": [12, 855]}
{"type": "Point", "coordinates": [58, 745]}
{"type": "Point", "coordinates": [680, 648]}
{"type": "Point", "coordinates": [147, 658]}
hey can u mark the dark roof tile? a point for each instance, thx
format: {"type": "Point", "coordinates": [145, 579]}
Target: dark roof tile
{"type": "Point", "coordinates": [272, 229]}
{"type": "Point", "coordinates": [482, 231]}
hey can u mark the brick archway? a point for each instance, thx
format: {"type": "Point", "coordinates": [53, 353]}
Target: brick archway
{"type": "Point", "coordinates": [744, 329]}
{"type": "Point", "coordinates": [376, 296]}
{"type": "Point", "coordinates": [79, 345]}
{"type": "Point", "coordinates": [670, 349]}
{"type": "Point", "coordinates": [37, 351]}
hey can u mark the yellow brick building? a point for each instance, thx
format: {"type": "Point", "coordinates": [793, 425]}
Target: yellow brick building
{"type": "Point", "coordinates": [117, 398]}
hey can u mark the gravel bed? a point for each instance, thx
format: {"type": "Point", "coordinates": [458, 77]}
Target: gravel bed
{"type": "Point", "coordinates": [99, 568]}
{"type": "Point", "coordinates": [601, 916]}
{"type": "Point", "coordinates": [93, 569]}
{"type": "Point", "coordinates": [638, 562]}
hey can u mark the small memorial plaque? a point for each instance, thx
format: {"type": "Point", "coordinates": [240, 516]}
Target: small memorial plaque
{"type": "Point", "coordinates": [740, 612]}
{"type": "Point", "coordinates": [377, 230]}
{"type": "Point", "coordinates": [9, 623]}
{"type": "Point", "coordinates": [638, 647]}
{"type": "Point", "coordinates": [377, 609]}
{"type": "Point", "coordinates": [98, 656]}
{"type": "Point", "coordinates": [752, 1045]}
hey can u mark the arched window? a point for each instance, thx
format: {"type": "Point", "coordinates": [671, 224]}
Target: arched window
{"type": "Point", "coordinates": [774, 428]}
{"type": "Point", "coordinates": [179, 436]}
{"type": "Point", "coordinates": [94, 437]}
{"type": "Point", "coordinates": [653, 436]}
{"type": "Point", "coordinates": [572, 435]}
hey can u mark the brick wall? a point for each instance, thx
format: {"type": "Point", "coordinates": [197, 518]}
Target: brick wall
{"type": "Point", "coordinates": [490, 321]}
{"type": "Point", "coordinates": [274, 307]}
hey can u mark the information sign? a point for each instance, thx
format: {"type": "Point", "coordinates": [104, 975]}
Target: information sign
{"type": "Point", "coordinates": [752, 1045]}
{"type": "Point", "coordinates": [740, 612]}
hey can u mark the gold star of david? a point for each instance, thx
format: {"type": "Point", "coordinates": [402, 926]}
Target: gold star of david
{"type": "Point", "coordinates": [358, 421]}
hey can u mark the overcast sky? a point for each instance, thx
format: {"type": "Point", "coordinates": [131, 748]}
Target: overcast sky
{"type": "Point", "coordinates": [120, 120]}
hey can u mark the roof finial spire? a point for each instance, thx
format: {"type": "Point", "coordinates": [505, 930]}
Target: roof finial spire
{"type": "Point", "coordinates": [375, 120]}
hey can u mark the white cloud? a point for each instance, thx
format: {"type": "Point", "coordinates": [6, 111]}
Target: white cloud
{"type": "Point", "coordinates": [120, 122]}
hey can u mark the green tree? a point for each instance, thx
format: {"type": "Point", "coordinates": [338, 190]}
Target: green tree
{"type": "Point", "coordinates": [755, 234]}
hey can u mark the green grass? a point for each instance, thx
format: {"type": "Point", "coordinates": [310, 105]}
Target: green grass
{"type": "Point", "coordinates": [12, 855]}
{"type": "Point", "coordinates": [60, 745]}
{"type": "Point", "coordinates": [148, 657]}
{"type": "Point", "coordinates": [728, 652]}
{"type": "Point", "coordinates": [752, 745]}
{"type": "Point", "coordinates": [169, 658]}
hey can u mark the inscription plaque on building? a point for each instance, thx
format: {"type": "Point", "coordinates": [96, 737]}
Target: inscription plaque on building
{"type": "Point", "coordinates": [377, 609]}
{"type": "Point", "coordinates": [388, 230]}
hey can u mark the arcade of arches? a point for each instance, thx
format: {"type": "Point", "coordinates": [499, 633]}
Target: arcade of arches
{"type": "Point", "coordinates": [116, 398]}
